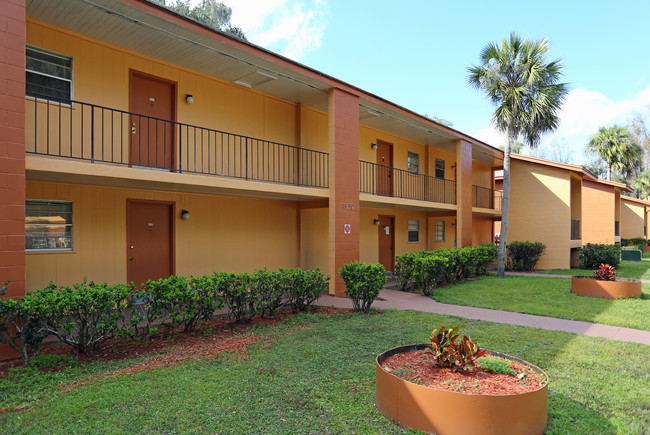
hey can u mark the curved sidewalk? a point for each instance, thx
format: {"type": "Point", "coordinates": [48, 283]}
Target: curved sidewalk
{"type": "Point", "coordinates": [411, 301]}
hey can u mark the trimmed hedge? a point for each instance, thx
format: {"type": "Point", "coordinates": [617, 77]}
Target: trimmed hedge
{"type": "Point", "coordinates": [86, 315]}
{"type": "Point", "coordinates": [425, 270]}
{"type": "Point", "coordinates": [523, 256]}
{"type": "Point", "coordinates": [363, 282]}
{"type": "Point", "coordinates": [593, 255]}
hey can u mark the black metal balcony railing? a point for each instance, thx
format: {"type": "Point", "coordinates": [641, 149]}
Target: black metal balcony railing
{"type": "Point", "coordinates": [83, 131]}
{"type": "Point", "coordinates": [387, 181]}
{"type": "Point", "coordinates": [617, 228]}
{"type": "Point", "coordinates": [486, 198]}
{"type": "Point", "coordinates": [575, 229]}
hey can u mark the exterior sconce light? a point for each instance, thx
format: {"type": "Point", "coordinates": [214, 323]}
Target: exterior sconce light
{"type": "Point", "coordinates": [185, 215]}
{"type": "Point", "coordinates": [376, 222]}
{"type": "Point", "coordinates": [189, 98]}
{"type": "Point", "coordinates": [373, 146]}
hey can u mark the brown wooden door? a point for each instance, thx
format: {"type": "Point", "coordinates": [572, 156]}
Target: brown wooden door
{"type": "Point", "coordinates": [152, 135]}
{"type": "Point", "coordinates": [384, 168]}
{"type": "Point", "coordinates": [387, 242]}
{"type": "Point", "coordinates": [149, 237]}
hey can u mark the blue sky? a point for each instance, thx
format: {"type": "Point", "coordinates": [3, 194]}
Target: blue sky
{"type": "Point", "coordinates": [416, 54]}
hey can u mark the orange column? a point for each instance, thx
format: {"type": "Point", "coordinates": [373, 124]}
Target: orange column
{"type": "Point", "coordinates": [463, 194]}
{"type": "Point", "coordinates": [12, 146]}
{"type": "Point", "coordinates": [344, 184]}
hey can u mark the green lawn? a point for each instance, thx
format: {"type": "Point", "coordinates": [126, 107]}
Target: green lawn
{"type": "Point", "coordinates": [627, 269]}
{"type": "Point", "coordinates": [547, 297]}
{"type": "Point", "coordinates": [320, 379]}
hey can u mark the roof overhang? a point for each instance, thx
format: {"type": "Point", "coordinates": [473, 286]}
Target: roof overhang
{"type": "Point", "coordinates": [145, 28]}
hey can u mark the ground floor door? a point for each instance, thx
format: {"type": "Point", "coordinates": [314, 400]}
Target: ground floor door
{"type": "Point", "coordinates": [150, 240]}
{"type": "Point", "coordinates": [387, 242]}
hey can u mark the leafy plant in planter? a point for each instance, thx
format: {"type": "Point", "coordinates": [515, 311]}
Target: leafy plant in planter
{"type": "Point", "coordinates": [363, 282]}
{"type": "Point", "coordinates": [447, 353]}
{"type": "Point", "coordinates": [605, 272]}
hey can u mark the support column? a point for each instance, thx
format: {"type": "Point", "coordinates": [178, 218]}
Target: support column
{"type": "Point", "coordinates": [343, 184]}
{"type": "Point", "coordinates": [12, 146]}
{"type": "Point", "coordinates": [463, 194]}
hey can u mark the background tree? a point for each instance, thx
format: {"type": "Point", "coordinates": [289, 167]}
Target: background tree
{"type": "Point", "coordinates": [209, 12]}
{"type": "Point", "coordinates": [518, 80]}
{"type": "Point", "coordinates": [641, 185]}
{"type": "Point", "coordinates": [616, 147]}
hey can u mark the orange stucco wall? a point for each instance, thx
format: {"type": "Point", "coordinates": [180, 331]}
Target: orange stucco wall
{"type": "Point", "coordinates": [598, 213]}
{"type": "Point", "coordinates": [482, 231]}
{"type": "Point", "coordinates": [632, 219]}
{"type": "Point", "coordinates": [540, 210]}
{"type": "Point", "coordinates": [223, 234]}
{"type": "Point", "coordinates": [12, 147]}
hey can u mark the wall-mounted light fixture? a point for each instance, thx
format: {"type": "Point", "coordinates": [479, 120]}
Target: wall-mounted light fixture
{"type": "Point", "coordinates": [373, 146]}
{"type": "Point", "coordinates": [453, 166]}
{"type": "Point", "coordinates": [376, 222]}
{"type": "Point", "coordinates": [185, 215]}
{"type": "Point", "coordinates": [189, 98]}
{"type": "Point", "coordinates": [453, 224]}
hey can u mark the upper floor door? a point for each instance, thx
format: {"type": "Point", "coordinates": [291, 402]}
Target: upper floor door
{"type": "Point", "coordinates": [384, 168]}
{"type": "Point", "coordinates": [152, 102]}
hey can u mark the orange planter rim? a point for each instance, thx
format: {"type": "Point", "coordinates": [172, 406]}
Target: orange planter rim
{"type": "Point", "coordinates": [415, 347]}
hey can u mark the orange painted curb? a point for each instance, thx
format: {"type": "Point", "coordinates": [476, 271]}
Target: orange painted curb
{"type": "Point", "coordinates": [446, 412]}
{"type": "Point", "coordinates": [586, 286]}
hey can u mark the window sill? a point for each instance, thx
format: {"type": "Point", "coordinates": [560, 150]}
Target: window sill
{"type": "Point", "coordinates": [50, 251]}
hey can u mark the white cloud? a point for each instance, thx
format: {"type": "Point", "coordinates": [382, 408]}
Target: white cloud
{"type": "Point", "coordinates": [290, 27]}
{"type": "Point", "coordinates": [583, 113]}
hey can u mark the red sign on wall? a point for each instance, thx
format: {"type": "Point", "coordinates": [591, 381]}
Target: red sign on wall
{"type": "Point", "coordinates": [347, 229]}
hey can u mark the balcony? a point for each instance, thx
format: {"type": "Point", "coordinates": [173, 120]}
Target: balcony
{"type": "Point", "coordinates": [575, 229]}
{"type": "Point", "coordinates": [483, 197]}
{"type": "Point", "coordinates": [97, 134]}
{"type": "Point", "coordinates": [398, 183]}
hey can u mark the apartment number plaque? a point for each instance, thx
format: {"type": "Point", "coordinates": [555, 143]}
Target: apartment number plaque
{"type": "Point", "coordinates": [347, 206]}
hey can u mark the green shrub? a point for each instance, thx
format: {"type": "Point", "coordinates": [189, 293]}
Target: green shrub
{"type": "Point", "coordinates": [166, 302]}
{"type": "Point", "coordinates": [404, 268]}
{"type": "Point", "coordinates": [302, 287]}
{"type": "Point", "coordinates": [635, 241]}
{"type": "Point", "coordinates": [266, 285]}
{"type": "Point", "coordinates": [447, 353]}
{"type": "Point", "coordinates": [430, 271]}
{"type": "Point", "coordinates": [19, 327]}
{"type": "Point", "coordinates": [485, 254]}
{"type": "Point", "coordinates": [496, 365]}
{"type": "Point", "coordinates": [240, 300]}
{"type": "Point", "coordinates": [363, 282]}
{"type": "Point", "coordinates": [593, 255]}
{"type": "Point", "coordinates": [523, 256]}
{"type": "Point", "coordinates": [82, 316]}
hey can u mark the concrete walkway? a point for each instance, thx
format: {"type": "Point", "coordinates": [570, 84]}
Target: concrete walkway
{"type": "Point", "coordinates": [411, 301]}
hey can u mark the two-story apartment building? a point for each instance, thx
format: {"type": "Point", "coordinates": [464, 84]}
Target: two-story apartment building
{"type": "Point", "coordinates": [563, 206]}
{"type": "Point", "coordinates": [137, 143]}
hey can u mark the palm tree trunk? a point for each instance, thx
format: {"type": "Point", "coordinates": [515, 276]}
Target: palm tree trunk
{"type": "Point", "coordinates": [609, 172]}
{"type": "Point", "coordinates": [505, 207]}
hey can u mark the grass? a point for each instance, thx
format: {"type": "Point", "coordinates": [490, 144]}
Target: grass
{"type": "Point", "coordinates": [548, 297]}
{"type": "Point", "coordinates": [320, 379]}
{"type": "Point", "coordinates": [627, 269]}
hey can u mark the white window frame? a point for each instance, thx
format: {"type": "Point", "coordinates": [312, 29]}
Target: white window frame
{"type": "Point", "coordinates": [440, 225]}
{"type": "Point", "coordinates": [413, 227]}
{"type": "Point", "coordinates": [28, 71]}
{"type": "Point", "coordinates": [45, 237]}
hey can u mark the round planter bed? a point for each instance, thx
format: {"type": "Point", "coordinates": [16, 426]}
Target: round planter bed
{"type": "Point", "coordinates": [587, 286]}
{"type": "Point", "coordinates": [446, 412]}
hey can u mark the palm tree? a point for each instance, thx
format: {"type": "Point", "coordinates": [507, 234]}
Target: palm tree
{"type": "Point", "coordinates": [642, 185]}
{"type": "Point", "coordinates": [518, 80]}
{"type": "Point", "coordinates": [618, 149]}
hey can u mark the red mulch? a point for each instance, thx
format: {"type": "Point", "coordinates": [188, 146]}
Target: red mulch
{"type": "Point", "coordinates": [417, 367]}
{"type": "Point", "coordinates": [208, 340]}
